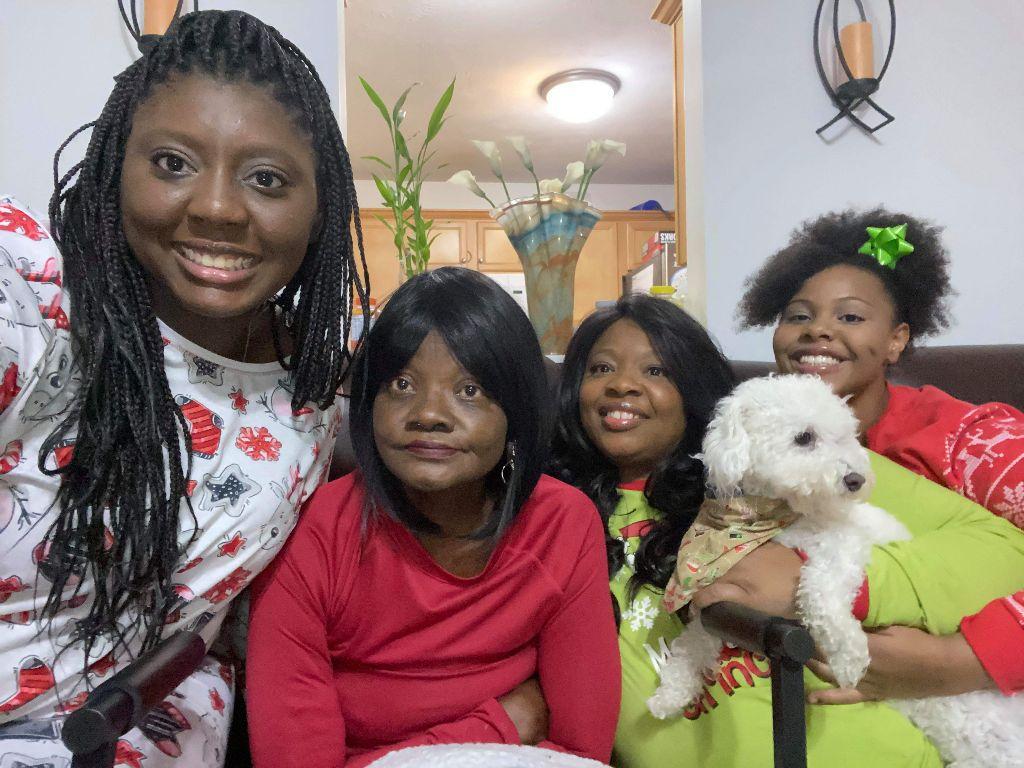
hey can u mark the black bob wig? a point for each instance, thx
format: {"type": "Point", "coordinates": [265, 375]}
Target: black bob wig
{"type": "Point", "coordinates": [491, 337]}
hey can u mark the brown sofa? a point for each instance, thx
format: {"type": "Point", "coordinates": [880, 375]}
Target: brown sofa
{"type": "Point", "coordinates": [973, 373]}
{"type": "Point", "coordinates": [977, 374]}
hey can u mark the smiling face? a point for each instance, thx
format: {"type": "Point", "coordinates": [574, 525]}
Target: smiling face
{"type": "Point", "coordinates": [218, 199]}
{"type": "Point", "coordinates": [629, 408]}
{"type": "Point", "coordinates": [841, 325]}
{"type": "Point", "coordinates": [434, 426]}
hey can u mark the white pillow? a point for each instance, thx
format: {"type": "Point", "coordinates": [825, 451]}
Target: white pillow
{"type": "Point", "coordinates": [481, 756]}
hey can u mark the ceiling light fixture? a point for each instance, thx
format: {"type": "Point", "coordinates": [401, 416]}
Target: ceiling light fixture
{"type": "Point", "coordinates": [579, 95]}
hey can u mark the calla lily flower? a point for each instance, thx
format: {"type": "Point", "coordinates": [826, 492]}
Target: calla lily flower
{"type": "Point", "coordinates": [468, 180]}
{"type": "Point", "coordinates": [598, 151]}
{"type": "Point", "coordinates": [573, 173]}
{"type": "Point", "coordinates": [523, 150]}
{"type": "Point", "coordinates": [490, 150]}
{"type": "Point", "coordinates": [578, 172]}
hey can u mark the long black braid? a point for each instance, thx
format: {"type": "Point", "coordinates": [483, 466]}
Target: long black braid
{"type": "Point", "coordinates": [121, 495]}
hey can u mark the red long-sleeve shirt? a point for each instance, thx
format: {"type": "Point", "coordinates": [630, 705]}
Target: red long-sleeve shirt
{"type": "Point", "coordinates": [975, 450]}
{"type": "Point", "coordinates": [360, 643]}
{"type": "Point", "coordinates": [978, 451]}
{"type": "Point", "coordinates": [992, 633]}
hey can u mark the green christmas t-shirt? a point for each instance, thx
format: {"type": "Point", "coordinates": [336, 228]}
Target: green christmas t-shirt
{"type": "Point", "coordinates": [962, 556]}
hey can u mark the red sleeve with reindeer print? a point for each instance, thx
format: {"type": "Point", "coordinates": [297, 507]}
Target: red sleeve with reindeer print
{"type": "Point", "coordinates": [977, 451]}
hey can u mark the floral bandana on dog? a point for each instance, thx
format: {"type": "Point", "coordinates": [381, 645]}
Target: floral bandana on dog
{"type": "Point", "coordinates": [724, 532]}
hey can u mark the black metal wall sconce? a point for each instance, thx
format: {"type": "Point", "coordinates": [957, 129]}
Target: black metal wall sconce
{"type": "Point", "coordinates": [855, 51]}
{"type": "Point", "coordinates": [157, 17]}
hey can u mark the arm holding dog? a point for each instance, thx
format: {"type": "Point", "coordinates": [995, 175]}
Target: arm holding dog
{"type": "Point", "coordinates": [961, 557]}
{"type": "Point", "coordinates": [913, 583]}
{"type": "Point", "coordinates": [908, 663]}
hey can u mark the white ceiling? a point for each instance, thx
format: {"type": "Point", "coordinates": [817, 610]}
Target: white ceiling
{"type": "Point", "coordinates": [499, 51]}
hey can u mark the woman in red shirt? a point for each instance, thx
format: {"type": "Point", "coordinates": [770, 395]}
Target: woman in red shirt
{"type": "Point", "coordinates": [447, 592]}
{"type": "Point", "coordinates": [848, 296]}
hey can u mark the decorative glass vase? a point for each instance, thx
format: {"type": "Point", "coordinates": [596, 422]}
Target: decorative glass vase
{"type": "Point", "coordinates": [548, 232]}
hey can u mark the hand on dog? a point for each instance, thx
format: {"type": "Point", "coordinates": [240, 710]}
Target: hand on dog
{"type": "Point", "coordinates": [766, 579]}
{"type": "Point", "coordinates": [908, 663]}
{"type": "Point", "coordinates": [528, 711]}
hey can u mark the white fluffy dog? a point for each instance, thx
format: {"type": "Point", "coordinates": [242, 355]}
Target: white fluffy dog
{"type": "Point", "coordinates": [790, 438]}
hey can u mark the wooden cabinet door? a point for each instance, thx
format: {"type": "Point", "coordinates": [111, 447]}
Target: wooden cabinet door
{"type": "Point", "coordinates": [381, 258]}
{"type": "Point", "coordinates": [494, 252]}
{"type": "Point", "coordinates": [597, 273]}
{"type": "Point", "coordinates": [637, 234]}
{"type": "Point", "coordinates": [452, 246]}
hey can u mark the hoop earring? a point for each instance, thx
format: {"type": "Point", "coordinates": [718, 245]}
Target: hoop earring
{"type": "Point", "coordinates": [510, 466]}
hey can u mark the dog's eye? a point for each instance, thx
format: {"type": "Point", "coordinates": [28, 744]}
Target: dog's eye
{"type": "Point", "coordinates": [805, 438]}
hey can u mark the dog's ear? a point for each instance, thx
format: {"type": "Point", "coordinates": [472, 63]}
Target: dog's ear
{"type": "Point", "coordinates": [726, 449]}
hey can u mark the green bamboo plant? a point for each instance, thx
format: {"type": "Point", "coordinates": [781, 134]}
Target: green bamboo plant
{"type": "Point", "coordinates": [400, 187]}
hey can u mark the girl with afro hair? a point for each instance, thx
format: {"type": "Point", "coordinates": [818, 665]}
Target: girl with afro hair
{"type": "Point", "coordinates": [849, 295]}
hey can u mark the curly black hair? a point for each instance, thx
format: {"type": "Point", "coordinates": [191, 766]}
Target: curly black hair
{"type": "Point", "coordinates": [919, 285]}
{"type": "Point", "coordinates": [701, 374]}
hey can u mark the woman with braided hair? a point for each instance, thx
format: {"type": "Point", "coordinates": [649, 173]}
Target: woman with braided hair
{"type": "Point", "coordinates": [171, 352]}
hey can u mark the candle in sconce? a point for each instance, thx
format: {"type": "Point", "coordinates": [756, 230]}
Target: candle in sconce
{"type": "Point", "coordinates": [157, 16]}
{"type": "Point", "coordinates": [858, 50]}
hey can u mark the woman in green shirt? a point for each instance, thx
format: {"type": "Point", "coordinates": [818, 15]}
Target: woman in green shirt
{"type": "Point", "coordinates": [639, 383]}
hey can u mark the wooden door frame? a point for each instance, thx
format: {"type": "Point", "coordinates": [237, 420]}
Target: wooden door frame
{"type": "Point", "coordinates": [685, 22]}
{"type": "Point", "coordinates": [668, 12]}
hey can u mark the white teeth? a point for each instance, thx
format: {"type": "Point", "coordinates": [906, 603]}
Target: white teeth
{"type": "Point", "coordinates": [819, 360]}
{"type": "Point", "coordinates": [227, 263]}
{"type": "Point", "coordinates": [622, 415]}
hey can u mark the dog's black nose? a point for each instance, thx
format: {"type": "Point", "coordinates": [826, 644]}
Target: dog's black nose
{"type": "Point", "coordinates": [853, 481]}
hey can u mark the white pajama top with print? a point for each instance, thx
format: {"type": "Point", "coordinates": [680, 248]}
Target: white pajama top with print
{"type": "Point", "coordinates": [254, 462]}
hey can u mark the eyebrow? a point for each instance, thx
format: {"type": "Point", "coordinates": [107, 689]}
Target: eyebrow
{"type": "Point", "coordinates": [601, 351]}
{"type": "Point", "coordinates": [274, 151]}
{"type": "Point", "coordinates": [596, 352]}
{"type": "Point", "coordinates": [841, 298]}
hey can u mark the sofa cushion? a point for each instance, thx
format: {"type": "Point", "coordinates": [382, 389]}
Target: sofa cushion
{"type": "Point", "coordinates": [975, 373]}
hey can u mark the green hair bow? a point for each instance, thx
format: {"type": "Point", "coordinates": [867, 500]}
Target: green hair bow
{"type": "Point", "coordinates": [887, 245]}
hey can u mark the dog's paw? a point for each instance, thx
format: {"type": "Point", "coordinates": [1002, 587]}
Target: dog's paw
{"type": "Point", "coordinates": [840, 638]}
{"type": "Point", "coordinates": [849, 668]}
{"type": "Point", "coordinates": [664, 706]}
{"type": "Point", "coordinates": [672, 697]}
{"type": "Point", "coordinates": [682, 674]}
